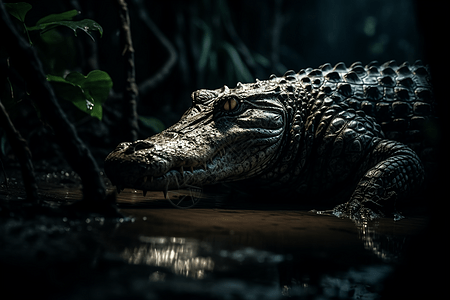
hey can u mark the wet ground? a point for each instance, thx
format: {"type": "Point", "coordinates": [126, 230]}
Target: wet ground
{"type": "Point", "coordinates": [211, 251]}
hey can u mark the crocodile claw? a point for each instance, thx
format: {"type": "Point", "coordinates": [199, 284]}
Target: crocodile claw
{"type": "Point", "coordinates": [119, 189]}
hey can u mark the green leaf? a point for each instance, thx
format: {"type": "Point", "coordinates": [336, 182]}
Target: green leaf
{"type": "Point", "coordinates": [65, 16]}
{"type": "Point", "coordinates": [97, 85]}
{"type": "Point", "coordinates": [18, 10]}
{"type": "Point", "coordinates": [70, 92]}
{"type": "Point", "coordinates": [85, 25]}
{"type": "Point", "coordinates": [97, 112]}
{"type": "Point", "coordinates": [76, 78]}
{"type": "Point", "coordinates": [54, 78]}
{"type": "Point", "coordinates": [53, 38]}
{"type": "Point", "coordinates": [88, 93]}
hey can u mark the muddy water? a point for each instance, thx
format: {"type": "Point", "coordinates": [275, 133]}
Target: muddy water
{"type": "Point", "coordinates": [211, 251]}
{"type": "Point", "coordinates": [296, 252]}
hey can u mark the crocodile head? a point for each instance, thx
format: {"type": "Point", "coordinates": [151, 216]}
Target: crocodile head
{"type": "Point", "coordinates": [226, 135]}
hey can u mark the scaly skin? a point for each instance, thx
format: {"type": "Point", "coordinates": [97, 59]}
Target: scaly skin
{"type": "Point", "coordinates": [331, 132]}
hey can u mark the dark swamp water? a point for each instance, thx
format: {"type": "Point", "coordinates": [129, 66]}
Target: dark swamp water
{"type": "Point", "coordinates": [211, 251]}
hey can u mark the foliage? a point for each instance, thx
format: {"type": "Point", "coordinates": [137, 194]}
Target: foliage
{"type": "Point", "coordinates": [48, 23]}
{"type": "Point", "coordinates": [220, 54]}
{"type": "Point", "coordinates": [19, 11]}
{"type": "Point", "coordinates": [88, 92]}
{"type": "Point", "coordinates": [215, 47]}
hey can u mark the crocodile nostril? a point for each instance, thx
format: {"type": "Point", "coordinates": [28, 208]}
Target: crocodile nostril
{"type": "Point", "coordinates": [138, 145]}
{"type": "Point", "coordinates": [129, 150]}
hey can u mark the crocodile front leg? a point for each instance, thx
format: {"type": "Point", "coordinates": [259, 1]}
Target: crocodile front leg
{"type": "Point", "coordinates": [397, 171]}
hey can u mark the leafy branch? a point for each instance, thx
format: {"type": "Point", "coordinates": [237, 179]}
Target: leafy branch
{"type": "Point", "coordinates": [83, 91]}
{"type": "Point", "coordinates": [87, 93]}
{"type": "Point", "coordinates": [19, 11]}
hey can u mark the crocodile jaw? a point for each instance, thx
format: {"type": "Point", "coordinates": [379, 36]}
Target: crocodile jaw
{"type": "Point", "coordinates": [225, 136]}
{"type": "Point", "coordinates": [167, 162]}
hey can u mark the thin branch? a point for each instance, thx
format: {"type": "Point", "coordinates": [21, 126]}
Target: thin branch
{"type": "Point", "coordinates": [165, 70]}
{"type": "Point", "coordinates": [20, 148]}
{"type": "Point", "coordinates": [24, 59]}
{"type": "Point", "coordinates": [131, 91]}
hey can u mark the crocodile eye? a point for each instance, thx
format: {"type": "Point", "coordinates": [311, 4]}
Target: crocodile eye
{"type": "Point", "coordinates": [230, 104]}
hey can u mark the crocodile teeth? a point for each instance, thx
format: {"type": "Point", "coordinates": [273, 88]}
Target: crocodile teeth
{"type": "Point", "coordinates": [146, 178]}
{"type": "Point", "coordinates": [182, 171]}
{"type": "Point", "coordinates": [176, 180]}
{"type": "Point", "coordinates": [165, 190]}
{"type": "Point", "coordinates": [119, 189]}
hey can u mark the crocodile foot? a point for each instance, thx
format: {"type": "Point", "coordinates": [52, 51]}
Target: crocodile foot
{"type": "Point", "coordinates": [356, 211]}
{"type": "Point", "coordinates": [365, 210]}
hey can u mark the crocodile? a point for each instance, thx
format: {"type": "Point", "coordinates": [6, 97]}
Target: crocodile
{"type": "Point", "coordinates": [333, 132]}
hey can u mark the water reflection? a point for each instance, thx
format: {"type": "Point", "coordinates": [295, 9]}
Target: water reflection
{"type": "Point", "coordinates": [289, 253]}
{"type": "Point", "coordinates": [180, 255]}
{"type": "Point", "coordinates": [186, 257]}
{"type": "Point", "coordinates": [388, 247]}
{"type": "Point", "coordinates": [194, 258]}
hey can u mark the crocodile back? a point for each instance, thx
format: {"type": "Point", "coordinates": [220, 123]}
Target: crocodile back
{"type": "Point", "coordinates": [399, 97]}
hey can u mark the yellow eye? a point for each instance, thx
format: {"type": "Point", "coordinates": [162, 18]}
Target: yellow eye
{"type": "Point", "coordinates": [230, 104]}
